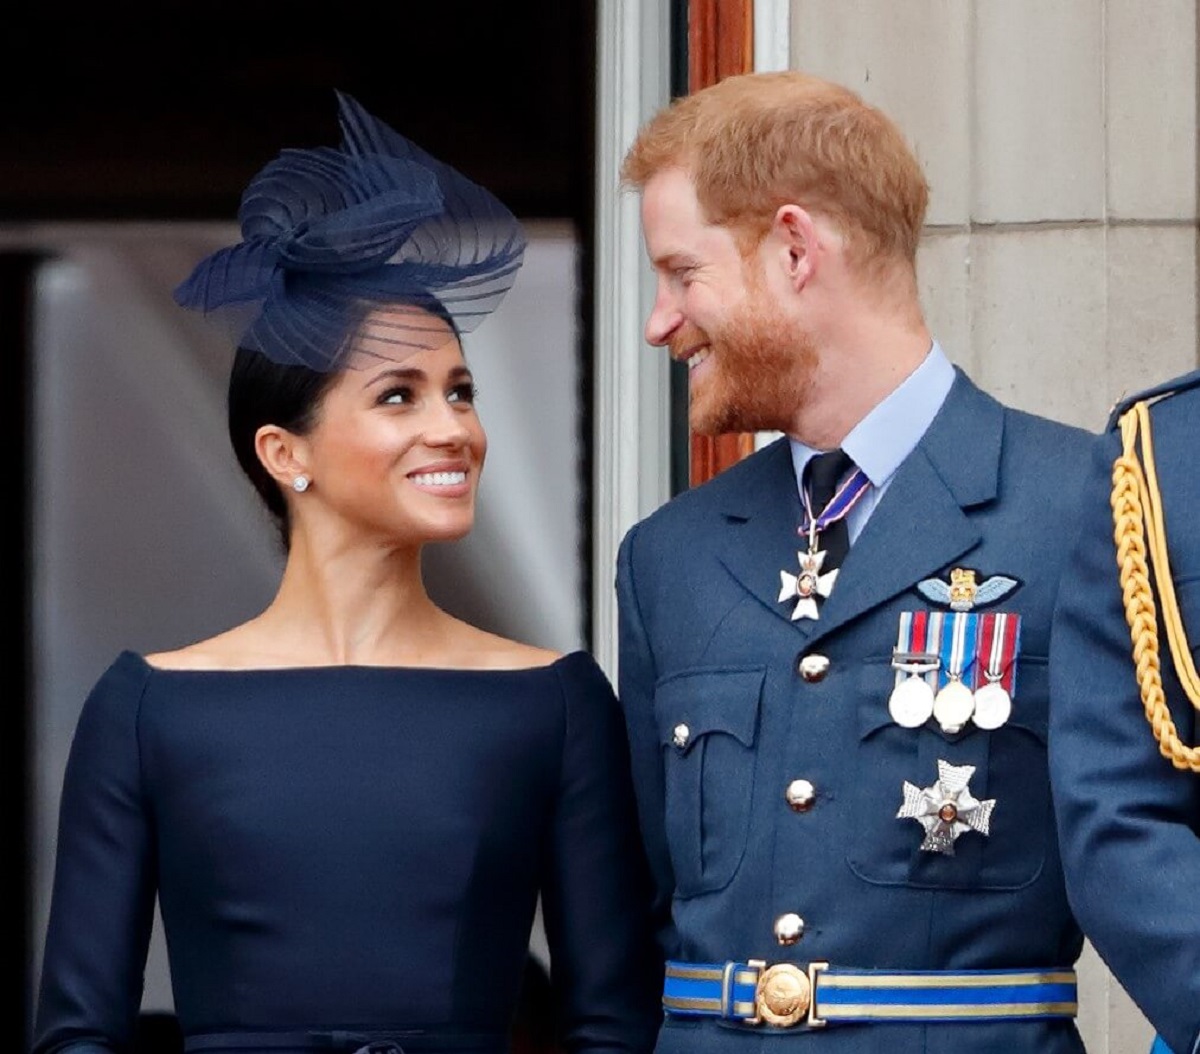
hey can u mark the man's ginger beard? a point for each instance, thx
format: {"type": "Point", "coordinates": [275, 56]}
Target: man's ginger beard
{"type": "Point", "coordinates": [759, 373]}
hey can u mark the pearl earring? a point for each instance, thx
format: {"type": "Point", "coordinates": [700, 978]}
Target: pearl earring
{"type": "Point", "coordinates": [300, 484]}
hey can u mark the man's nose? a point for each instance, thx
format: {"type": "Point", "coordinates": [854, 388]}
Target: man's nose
{"type": "Point", "coordinates": [665, 317]}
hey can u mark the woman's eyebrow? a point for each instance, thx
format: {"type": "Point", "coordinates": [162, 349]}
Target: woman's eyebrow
{"type": "Point", "coordinates": [415, 374]}
{"type": "Point", "coordinates": [401, 373]}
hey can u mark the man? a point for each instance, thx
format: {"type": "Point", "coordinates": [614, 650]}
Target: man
{"type": "Point", "coordinates": [836, 687]}
{"type": "Point", "coordinates": [1123, 735]}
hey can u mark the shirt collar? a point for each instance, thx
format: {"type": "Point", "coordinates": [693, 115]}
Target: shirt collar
{"type": "Point", "coordinates": [881, 441]}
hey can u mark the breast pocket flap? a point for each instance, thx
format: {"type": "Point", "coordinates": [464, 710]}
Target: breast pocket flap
{"type": "Point", "coordinates": [694, 704]}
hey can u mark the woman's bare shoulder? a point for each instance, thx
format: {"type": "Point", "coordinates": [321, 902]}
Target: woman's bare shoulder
{"type": "Point", "coordinates": [503, 653]}
{"type": "Point", "coordinates": [233, 649]}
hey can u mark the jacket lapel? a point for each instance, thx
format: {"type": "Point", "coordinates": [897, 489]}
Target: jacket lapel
{"type": "Point", "coordinates": [762, 518]}
{"type": "Point", "coordinates": [918, 527]}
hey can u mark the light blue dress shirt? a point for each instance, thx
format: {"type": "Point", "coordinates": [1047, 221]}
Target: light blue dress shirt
{"type": "Point", "coordinates": [889, 433]}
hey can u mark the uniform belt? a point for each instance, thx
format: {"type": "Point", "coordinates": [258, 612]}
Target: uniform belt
{"type": "Point", "coordinates": [789, 994]}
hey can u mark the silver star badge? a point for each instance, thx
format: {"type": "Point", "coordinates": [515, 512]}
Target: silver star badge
{"type": "Point", "coordinates": [807, 585]}
{"type": "Point", "coordinates": [947, 808]}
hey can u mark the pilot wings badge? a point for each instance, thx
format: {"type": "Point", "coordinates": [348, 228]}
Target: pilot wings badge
{"type": "Point", "coordinates": [963, 592]}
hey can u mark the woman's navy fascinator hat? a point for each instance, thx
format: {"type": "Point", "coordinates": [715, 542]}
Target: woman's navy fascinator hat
{"type": "Point", "coordinates": [329, 234]}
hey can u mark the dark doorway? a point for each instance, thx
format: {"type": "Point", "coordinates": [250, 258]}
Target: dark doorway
{"type": "Point", "coordinates": [164, 110]}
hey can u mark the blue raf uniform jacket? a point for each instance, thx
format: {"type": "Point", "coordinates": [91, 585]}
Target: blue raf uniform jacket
{"type": "Point", "coordinates": [706, 644]}
{"type": "Point", "coordinates": [1130, 820]}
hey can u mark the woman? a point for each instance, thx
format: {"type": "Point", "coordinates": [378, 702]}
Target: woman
{"type": "Point", "coordinates": [348, 806]}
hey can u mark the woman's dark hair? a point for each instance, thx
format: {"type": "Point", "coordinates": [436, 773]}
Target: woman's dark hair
{"type": "Point", "coordinates": [262, 392]}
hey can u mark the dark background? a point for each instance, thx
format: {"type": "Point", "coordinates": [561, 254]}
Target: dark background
{"type": "Point", "coordinates": [164, 109]}
{"type": "Point", "coordinates": [158, 110]}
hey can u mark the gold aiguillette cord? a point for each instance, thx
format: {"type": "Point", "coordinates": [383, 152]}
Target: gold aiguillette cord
{"type": "Point", "coordinates": [1138, 522]}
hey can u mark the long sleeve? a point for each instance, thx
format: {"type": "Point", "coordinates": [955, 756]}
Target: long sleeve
{"type": "Point", "coordinates": [636, 677]}
{"type": "Point", "coordinates": [102, 905]}
{"type": "Point", "coordinates": [606, 971]}
{"type": "Point", "coordinates": [1127, 818]}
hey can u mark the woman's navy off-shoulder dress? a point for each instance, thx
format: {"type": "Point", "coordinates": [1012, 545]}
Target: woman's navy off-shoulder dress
{"type": "Point", "coordinates": [347, 856]}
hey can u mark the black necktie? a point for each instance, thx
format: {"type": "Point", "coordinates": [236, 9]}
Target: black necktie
{"type": "Point", "coordinates": [822, 475]}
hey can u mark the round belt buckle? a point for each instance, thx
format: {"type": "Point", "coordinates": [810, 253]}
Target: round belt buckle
{"type": "Point", "coordinates": [782, 995]}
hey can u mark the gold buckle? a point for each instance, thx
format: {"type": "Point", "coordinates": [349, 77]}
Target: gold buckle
{"type": "Point", "coordinates": [785, 995]}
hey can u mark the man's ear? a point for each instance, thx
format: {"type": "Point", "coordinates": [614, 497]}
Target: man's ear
{"type": "Point", "coordinates": [797, 238]}
{"type": "Point", "coordinates": [282, 453]}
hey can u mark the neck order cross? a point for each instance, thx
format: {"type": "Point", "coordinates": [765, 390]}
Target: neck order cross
{"type": "Point", "coordinates": [826, 505]}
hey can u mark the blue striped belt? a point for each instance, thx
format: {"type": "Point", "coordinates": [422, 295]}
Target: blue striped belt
{"type": "Point", "coordinates": [787, 994]}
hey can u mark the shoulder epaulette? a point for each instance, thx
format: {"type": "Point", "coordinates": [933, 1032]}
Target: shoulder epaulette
{"type": "Point", "coordinates": [1172, 387]}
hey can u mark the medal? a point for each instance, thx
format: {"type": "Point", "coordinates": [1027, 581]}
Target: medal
{"type": "Point", "coordinates": [993, 705]}
{"type": "Point", "coordinates": [807, 585]}
{"type": "Point", "coordinates": [946, 808]}
{"type": "Point", "coordinates": [810, 584]}
{"type": "Point", "coordinates": [955, 702]}
{"type": "Point", "coordinates": [953, 706]}
{"type": "Point", "coordinates": [911, 702]}
{"type": "Point", "coordinates": [915, 660]}
{"type": "Point", "coordinates": [998, 645]}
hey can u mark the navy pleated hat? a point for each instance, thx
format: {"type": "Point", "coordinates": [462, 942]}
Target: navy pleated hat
{"type": "Point", "coordinates": [332, 233]}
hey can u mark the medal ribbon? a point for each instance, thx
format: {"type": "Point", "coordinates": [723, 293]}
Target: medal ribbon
{"type": "Point", "coordinates": [904, 638]}
{"type": "Point", "coordinates": [839, 506]}
{"type": "Point", "coordinates": [921, 632]}
{"type": "Point", "coordinates": [957, 646]}
{"type": "Point", "coordinates": [999, 644]}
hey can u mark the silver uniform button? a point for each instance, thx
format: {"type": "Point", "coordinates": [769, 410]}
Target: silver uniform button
{"type": "Point", "coordinates": [789, 928]}
{"type": "Point", "coordinates": [681, 735]}
{"type": "Point", "coordinates": [813, 668]}
{"type": "Point", "coordinates": [800, 795]}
